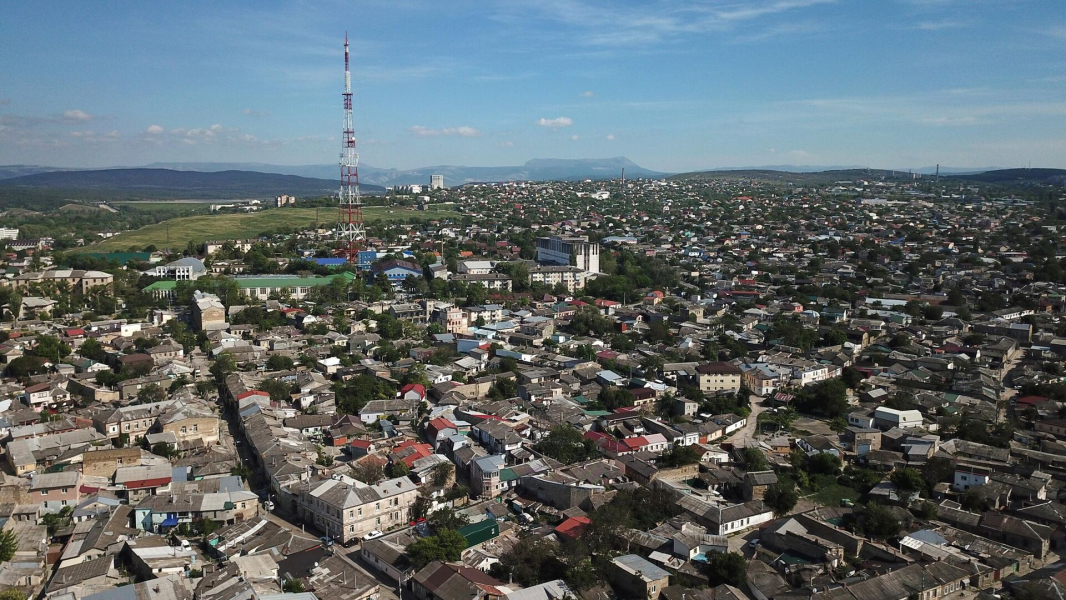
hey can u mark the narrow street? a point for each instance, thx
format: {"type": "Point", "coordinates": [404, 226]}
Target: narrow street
{"type": "Point", "coordinates": [748, 432]}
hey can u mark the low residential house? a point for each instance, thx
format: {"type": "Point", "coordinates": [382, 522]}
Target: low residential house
{"type": "Point", "coordinates": [757, 482]}
{"type": "Point", "coordinates": [485, 476]}
{"type": "Point", "coordinates": [159, 513]}
{"type": "Point", "coordinates": [889, 418]}
{"type": "Point", "coordinates": [55, 491]}
{"type": "Point", "coordinates": [136, 482]}
{"type": "Point", "coordinates": [133, 421]}
{"type": "Point", "coordinates": [634, 577]}
{"type": "Point", "coordinates": [383, 409]}
{"type": "Point", "coordinates": [497, 437]}
{"type": "Point", "coordinates": [446, 581]}
{"type": "Point", "coordinates": [1028, 536]}
{"type": "Point", "coordinates": [49, 394]}
{"type": "Point", "coordinates": [191, 423]}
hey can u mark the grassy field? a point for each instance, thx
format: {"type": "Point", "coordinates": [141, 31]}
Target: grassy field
{"type": "Point", "coordinates": [831, 495]}
{"type": "Point", "coordinates": [231, 226]}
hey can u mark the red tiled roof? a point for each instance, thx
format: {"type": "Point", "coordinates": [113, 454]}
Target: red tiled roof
{"type": "Point", "coordinates": [574, 527]}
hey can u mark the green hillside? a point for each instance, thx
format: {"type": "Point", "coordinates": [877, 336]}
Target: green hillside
{"type": "Point", "coordinates": [232, 226]}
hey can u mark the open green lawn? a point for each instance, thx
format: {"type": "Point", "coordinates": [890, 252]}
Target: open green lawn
{"type": "Point", "coordinates": [166, 208]}
{"type": "Point", "coordinates": [831, 495]}
{"type": "Point", "coordinates": [232, 226]}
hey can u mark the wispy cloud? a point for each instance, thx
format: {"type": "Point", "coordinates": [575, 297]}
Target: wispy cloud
{"type": "Point", "coordinates": [575, 137]}
{"type": "Point", "coordinates": [251, 112]}
{"type": "Point", "coordinates": [463, 131]}
{"type": "Point", "coordinates": [556, 122]}
{"type": "Point", "coordinates": [610, 137]}
{"type": "Point", "coordinates": [941, 24]}
{"type": "Point", "coordinates": [610, 24]}
{"type": "Point", "coordinates": [1057, 32]}
{"type": "Point", "coordinates": [77, 115]}
{"type": "Point", "coordinates": [154, 129]}
{"type": "Point", "coordinates": [587, 94]}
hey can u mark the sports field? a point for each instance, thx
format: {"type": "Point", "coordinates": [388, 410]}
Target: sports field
{"type": "Point", "coordinates": [233, 226]}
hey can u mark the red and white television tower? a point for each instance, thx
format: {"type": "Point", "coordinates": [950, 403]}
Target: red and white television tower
{"type": "Point", "coordinates": [350, 230]}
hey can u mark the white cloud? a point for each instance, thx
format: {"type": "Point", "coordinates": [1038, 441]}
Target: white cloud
{"type": "Point", "coordinates": [574, 137]}
{"type": "Point", "coordinates": [154, 129]}
{"type": "Point", "coordinates": [463, 131]}
{"type": "Point", "coordinates": [77, 115]}
{"type": "Point", "coordinates": [507, 144]}
{"type": "Point", "coordinates": [587, 94]}
{"type": "Point", "coordinates": [556, 122]}
{"type": "Point", "coordinates": [610, 137]}
{"type": "Point", "coordinates": [938, 25]}
{"type": "Point", "coordinates": [251, 112]}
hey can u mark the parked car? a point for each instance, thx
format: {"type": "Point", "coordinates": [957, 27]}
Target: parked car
{"type": "Point", "coordinates": [373, 535]}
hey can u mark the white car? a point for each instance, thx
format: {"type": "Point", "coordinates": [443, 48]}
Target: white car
{"type": "Point", "coordinates": [373, 535]}
{"type": "Point", "coordinates": [753, 543]}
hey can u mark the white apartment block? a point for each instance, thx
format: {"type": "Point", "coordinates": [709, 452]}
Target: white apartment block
{"type": "Point", "coordinates": [572, 277]}
{"type": "Point", "coordinates": [560, 250]}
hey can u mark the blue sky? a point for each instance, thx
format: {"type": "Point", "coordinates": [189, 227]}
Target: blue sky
{"type": "Point", "coordinates": [675, 86]}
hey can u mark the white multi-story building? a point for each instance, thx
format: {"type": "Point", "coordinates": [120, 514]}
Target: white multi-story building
{"type": "Point", "coordinates": [347, 509]}
{"type": "Point", "coordinates": [569, 250]}
{"type": "Point", "coordinates": [7, 233]}
{"type": "Point", "coordinates": [572, 277]}
{"type": "Point", "coordinates": [189, 268]}
{"type": "Point", "coordinates": [436, 182]}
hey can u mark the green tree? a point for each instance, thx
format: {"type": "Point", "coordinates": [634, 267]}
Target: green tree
{"type": "Point", "coordinates": [754, 459]}
{"type": "Point", "coordinates": [8, 545]}
{"type": "Point", "coordinates": [447, 518]}
{"type": "Point", "coordinates": [49, 347]}
{"type": "Point", "coordinates": [613, 397]}
{"type": "Point", "coordinates": [907, 480]}
{"type": "Point", "coordinates": [823, 464]}
{"type": "Point", "coordinates": [151, 393]}
{"type": "Point", "coordinates": [12, 594]}
{"type": "Point", "coordinates": [781, 497]}
{"type": "Point", "coordinates": [679, 456]}
{"type": "Point", "coordinates": [280, 362]}
{"type": "Point", "coordinates": [398, 469]}
{"type": "Point", "coordinates": [369, 472]}
{"type": "Point", "coordinates": [879, 522]}
{"type": "Point", "coordinates": [293, 586]}
{"type": "Point", "coordinates": [224, 365]}
{"type": "Point", "coordinates": [566, 445]}
{"type": "Point", "coordinates": [445, 546]}
{"type": "Point", "coordinates": [726, 567]}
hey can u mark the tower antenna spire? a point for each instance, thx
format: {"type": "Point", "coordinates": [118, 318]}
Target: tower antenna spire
{"type": "Point", "coordinates": [350, 228]}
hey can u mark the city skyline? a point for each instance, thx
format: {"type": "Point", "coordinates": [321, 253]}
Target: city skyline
{"type": "Point", "coordinates": [672, 86]}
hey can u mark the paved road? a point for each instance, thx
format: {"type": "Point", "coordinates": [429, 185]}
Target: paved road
{"type": "Point", "coordinates": [749, 430]}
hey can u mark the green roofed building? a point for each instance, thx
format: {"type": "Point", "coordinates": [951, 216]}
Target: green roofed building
{"type": "Point", "coordinates": [477, 533]}
{"type": "Point", "coordinates": [262, 287]}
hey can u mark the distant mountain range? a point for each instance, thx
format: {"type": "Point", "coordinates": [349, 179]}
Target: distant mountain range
{"type": "Point", "coordinates": [237, 180]}
{"type": "Point", "coordinates": [169, 183]}
{"type": "Point", "coordinates": [540, 169]}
